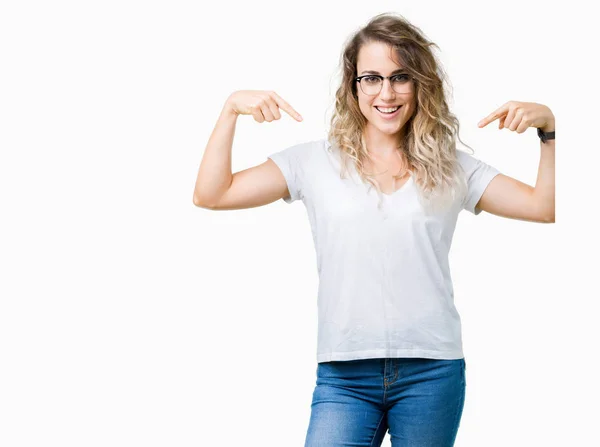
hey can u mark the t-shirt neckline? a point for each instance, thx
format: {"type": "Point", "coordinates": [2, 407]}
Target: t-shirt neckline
{"type": "Point", "coordinates": [403, 187]}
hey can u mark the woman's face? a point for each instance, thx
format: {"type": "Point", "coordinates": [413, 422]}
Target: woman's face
{"type": "Point", "coordinates": [376, 58]}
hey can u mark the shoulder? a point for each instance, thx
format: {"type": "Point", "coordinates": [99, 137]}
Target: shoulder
{"type": "Point", "coordinates": [466, 161]}
{"type": "Point", "coordinates": [301, 157]}
{"type": "Point", "coordinates": [306, 149]}
{"type": "Point", "coordinates": [471, 164]}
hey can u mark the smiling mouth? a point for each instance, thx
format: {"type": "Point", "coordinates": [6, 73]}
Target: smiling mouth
{"type": "Point", "coordinates": [388, 108]}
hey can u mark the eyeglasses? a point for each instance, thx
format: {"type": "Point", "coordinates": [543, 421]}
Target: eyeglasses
{"type": "Point", "coordinates": [371, 84]}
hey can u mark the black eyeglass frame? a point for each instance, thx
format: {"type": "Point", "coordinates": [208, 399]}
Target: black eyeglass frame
{"type": "Point", "coordinates": [382, 78]}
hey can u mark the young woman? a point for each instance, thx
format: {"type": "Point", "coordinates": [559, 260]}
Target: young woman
{"type": "Point", "coordinates": [383, 193]}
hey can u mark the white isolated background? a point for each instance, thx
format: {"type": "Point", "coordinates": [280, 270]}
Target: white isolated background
{"type": "Point", "coordinates": [130, 317]}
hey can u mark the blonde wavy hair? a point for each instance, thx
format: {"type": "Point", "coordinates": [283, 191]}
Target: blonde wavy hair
{"type": "Point", "coordinates": [429, 141]}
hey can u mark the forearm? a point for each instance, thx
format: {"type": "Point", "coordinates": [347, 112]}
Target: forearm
{"type": "Point", "coordinates": [214, 175]}
{"type": "Point", "coordinates": [544, 187]}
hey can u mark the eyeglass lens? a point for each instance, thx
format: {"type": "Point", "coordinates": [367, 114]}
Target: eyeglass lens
{"type": "Point", "coordinates": [371, 85]}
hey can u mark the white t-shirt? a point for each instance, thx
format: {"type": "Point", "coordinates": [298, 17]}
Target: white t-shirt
{"type": "Point", "coordinates": [384, 281]}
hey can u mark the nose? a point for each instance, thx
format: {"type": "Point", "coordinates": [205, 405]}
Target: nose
{"type": "Point", "coordinates": [387, 92]}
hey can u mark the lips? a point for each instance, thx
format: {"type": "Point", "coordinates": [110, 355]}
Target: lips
{"type": "Point", "coordinates": [388, 115]}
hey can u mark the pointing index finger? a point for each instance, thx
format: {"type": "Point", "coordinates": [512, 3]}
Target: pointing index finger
{"type": "Point", "coordinates": [283, 105]}
{"type": "Point", "coordinates": [492, 116]}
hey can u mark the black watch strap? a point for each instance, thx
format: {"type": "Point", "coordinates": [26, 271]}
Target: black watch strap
{"type": "Point", "coordinates": [545, 136]}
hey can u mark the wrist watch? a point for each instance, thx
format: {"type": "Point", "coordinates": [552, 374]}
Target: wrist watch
{"type": "Point", "coordinates": [545, 136]}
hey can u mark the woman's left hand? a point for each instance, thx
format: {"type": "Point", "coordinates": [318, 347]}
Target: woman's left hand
{"type": "Point", "coordinates": [515, 115]}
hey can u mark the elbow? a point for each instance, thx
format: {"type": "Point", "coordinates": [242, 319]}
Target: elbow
{"type": "Point", "coordinates": [549, 218]}
{"type": "Point", "coordinates": [201, 203]}
{"type": "Point", "coordinates": [544, 213]}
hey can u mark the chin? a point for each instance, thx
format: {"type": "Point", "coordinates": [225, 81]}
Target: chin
{"type": "Point", "coordinates": [390, 128]}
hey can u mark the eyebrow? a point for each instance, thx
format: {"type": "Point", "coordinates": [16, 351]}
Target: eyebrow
{"type": "Point", "coordinates": [400, 70]}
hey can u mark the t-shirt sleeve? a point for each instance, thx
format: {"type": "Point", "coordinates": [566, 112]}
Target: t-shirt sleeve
{"type": "Point", "coordinates": [478, 176]}
{"type": "Point", "coordinates": [292, 162]}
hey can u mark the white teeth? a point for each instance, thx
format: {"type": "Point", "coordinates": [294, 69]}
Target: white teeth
{"type": "Point", "coordinates": [393, 109]}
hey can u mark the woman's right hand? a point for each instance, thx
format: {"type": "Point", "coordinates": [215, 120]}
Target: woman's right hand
{"type": "Point", "coordinates": [261, 104]}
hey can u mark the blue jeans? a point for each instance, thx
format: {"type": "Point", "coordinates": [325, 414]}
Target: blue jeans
{"type": "Point", "coordinates": [355, 402]}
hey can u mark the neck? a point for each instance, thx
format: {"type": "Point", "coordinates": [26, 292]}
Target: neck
{"type": "Point", "coordinates": [382, 145]}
